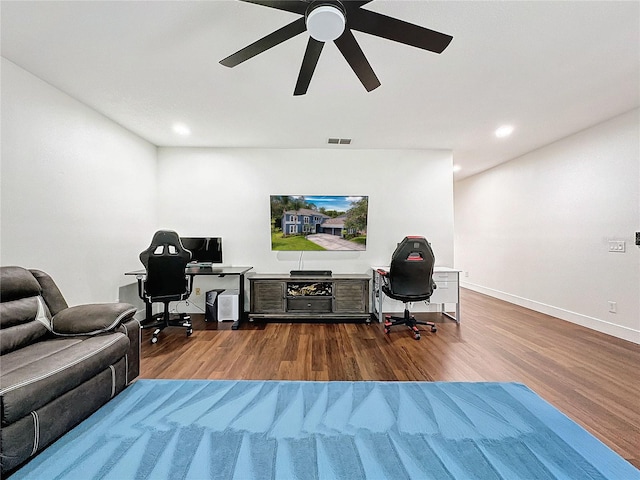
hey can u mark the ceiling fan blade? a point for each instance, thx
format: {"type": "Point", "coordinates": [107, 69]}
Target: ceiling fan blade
{"type": "Point", "coordinates": [309, 62]}
{"type": "Point", "coordinates": [294, 6]}
{"type": "Point", "coordinates": [265, 43]}
{"type": "Point", "coordinates": [355, 3]}
{"type": "Point", "coordinates": [352, 52]}
{"type": "Point", "coordinates": [398, 30]}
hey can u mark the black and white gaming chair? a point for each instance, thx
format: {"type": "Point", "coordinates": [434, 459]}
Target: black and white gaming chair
{"type": "Point", "coordinates": [165, 261]}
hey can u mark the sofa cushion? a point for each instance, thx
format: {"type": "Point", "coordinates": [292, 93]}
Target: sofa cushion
{"type": "Point", "coordinates": [35, 374]}
{"type": "Point", "coordinates": [50, 292]}
{"type": "Point", "coordinates": [17, 282]}
{"type": "Point", "coordinates": [20, 336]}
{"type": "Point", "coordinates": [24, 316]}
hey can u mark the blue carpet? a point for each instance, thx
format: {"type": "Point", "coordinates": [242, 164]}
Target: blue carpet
{"type": "Point", "coordinates": [245, 430]}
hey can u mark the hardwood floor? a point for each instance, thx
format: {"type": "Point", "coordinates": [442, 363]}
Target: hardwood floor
{"type": "Point", "coordinates": [591, 377]}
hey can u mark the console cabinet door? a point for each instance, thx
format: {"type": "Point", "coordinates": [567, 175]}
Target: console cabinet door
{"type": "Point", "coordinates": [351, 296]}
{"type": "Point", "coordinates": [267, 296]}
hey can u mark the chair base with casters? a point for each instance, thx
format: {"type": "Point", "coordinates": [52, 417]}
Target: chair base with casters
{"type": "Point", "coordinates": [409, 320]}
{"type": "Point", "coordinates": [163, 320]}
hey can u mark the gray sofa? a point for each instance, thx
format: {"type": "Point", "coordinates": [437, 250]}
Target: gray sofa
{"type": "Point", "coordinates": [58, 364]}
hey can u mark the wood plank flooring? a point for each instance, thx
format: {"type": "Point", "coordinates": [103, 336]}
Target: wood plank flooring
{"type": "Point", "coordinates": [591, 377]}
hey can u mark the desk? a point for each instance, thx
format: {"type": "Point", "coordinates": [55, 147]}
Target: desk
{"type": "Point", "coordinates": [214, 270]}
{"type": "Point", "coordinates": [447, 291]}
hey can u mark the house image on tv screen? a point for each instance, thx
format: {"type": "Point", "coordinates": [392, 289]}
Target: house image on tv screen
{"type": "Point", "coordinates": [306, 222]}
{"type": "Point", "coordinates": [318, 222]}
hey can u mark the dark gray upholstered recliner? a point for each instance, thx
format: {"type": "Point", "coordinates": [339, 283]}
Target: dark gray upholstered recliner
{"type": "Point", "coordinates": [58, 364]}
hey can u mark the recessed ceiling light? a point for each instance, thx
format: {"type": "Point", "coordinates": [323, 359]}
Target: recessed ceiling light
{"type": "Point", "coordinates": [181, 129]}
{"type": "Point", "coordinates": [504, 131]}
{"type": "Point", "coordinates": [457, 168]}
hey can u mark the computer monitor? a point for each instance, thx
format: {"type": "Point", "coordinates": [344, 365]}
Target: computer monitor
{"type": "Point", "coordinates": [204, 249]}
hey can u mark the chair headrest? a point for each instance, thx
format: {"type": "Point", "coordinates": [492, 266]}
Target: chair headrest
{"type": "Point", "coordinates": [413, 248]}
{"type": "Point", "coordinates": [165, 243]}
{"type": "Point", "coordinates": [165, 237]}
{"type": "Point", "coordinates": [410, 275]}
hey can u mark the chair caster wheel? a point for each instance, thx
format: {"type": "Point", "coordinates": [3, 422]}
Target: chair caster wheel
{"type": "Point", "coordinates": [417, 336]}
{"type": "Point", "coordinates": [387, 330]}
{"type": "Point", "coordinates": [434, 329]}
{"type": "Point", "coordinates": [189, 332]}
{"type": "Point", "coordinates": [154, 339]}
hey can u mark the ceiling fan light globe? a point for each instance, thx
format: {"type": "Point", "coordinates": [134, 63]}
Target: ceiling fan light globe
{"type": "Point", "coordinates": [325, 23]}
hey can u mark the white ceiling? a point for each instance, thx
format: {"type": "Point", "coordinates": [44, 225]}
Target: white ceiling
{"type": "Point", "coordinates": [550, 68]}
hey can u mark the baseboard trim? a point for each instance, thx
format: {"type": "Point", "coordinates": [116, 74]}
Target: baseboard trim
{"type": "Point", "coordinates": [593, 323]}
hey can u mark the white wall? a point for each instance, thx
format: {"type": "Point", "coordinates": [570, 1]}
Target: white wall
{"type": "Point", "coordinates": [535, 231]}
{"type": "Point", "coordinates": [82, 196]}
{"type": "Point", "coordinates": [78, 190]}
{"type": "Point", "coordinates": [225, 192]}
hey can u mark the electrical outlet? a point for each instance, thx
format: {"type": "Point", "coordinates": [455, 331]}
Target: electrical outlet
{"type": "Point", "coordinates": [466, 274]}
{"type": "Point", "coordinates": [198, 291]}
{"type": "Point", "coordinates": [617, 246]}
{"type": "Point", "coordinates": [613, 307]}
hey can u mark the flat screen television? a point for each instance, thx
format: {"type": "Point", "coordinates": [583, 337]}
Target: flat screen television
{"type": "Point", "coordinates": [319, 222]}
{"type": "Point", "coordinates": [204, 249]}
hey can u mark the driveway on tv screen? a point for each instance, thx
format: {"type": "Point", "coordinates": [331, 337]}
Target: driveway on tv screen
{"type": "Point", "coordinates": [333, 242]}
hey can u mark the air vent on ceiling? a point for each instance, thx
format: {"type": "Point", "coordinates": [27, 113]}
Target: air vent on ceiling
{"type": "Point", "coordinates": [339, 141]}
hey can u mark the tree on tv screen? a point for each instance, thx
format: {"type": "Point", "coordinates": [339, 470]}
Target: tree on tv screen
{"type": "Point", "coordinates": [357, 215]}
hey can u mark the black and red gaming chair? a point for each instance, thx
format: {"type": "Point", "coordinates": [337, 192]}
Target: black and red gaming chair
{"type": "Point", "coordinates": [409, 279]}
{"type": "Point", "coordinates": [165, 261]}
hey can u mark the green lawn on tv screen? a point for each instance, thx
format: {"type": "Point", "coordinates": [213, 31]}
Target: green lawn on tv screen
{"type": "Point", "coordinates": [295, 242]}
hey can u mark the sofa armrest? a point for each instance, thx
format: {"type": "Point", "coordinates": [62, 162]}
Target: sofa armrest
{"type": "Point", "coordinates": [91, 319]}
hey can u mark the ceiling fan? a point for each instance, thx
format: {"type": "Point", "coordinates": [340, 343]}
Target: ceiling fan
{"type": "Point", "coordinates": [333, 20]}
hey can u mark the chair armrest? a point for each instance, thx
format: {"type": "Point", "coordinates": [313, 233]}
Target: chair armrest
{"type": "Point", "coordinates": [384, 277]}
{"type": "Point", "coordinates": [189, 284]}
{"type": "Point", "coordinates": [141, 279]}
{"type": "Point", "coordinates": [91, 319]}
